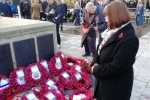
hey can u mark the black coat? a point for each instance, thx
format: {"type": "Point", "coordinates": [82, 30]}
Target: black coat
{"type": "Point", "coordinates": [114, 72]}
{"type": "Point", "coordinates": [91, 35]}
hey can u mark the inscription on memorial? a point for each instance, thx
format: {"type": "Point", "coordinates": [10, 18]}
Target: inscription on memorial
{"type": "Point", "coordinates": [25, 52]}
{"type": "Point", "coordinates": [46, 46]}
{"type": "Point", "coordinates": [6, 63]}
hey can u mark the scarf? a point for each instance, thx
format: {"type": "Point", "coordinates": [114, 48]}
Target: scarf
{"type": "Point", "coordinates": [108, 34]}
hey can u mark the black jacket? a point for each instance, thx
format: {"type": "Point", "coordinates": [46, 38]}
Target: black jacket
{"type": "Point", "coordinates": [114, 72]}
{"type": "Point", "coordinates": [54, 13]}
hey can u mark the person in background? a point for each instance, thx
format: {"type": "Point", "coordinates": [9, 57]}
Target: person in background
{"type": "Point", "coordinates": [139, 13]}
{"type": "Point", "coordinates": [95, 2]}
{"type": "Point", "coordinates": [101, 25]}
{"type": "Point", "coordinates": [100, 2]}
{"type": "Point", "coordinates": [62, 13]}
{"type": "Point", "coordinates": [77, 13]}
{"type": "Point", "coordinates": [26, 6]}
{"type": "Point", "coordinates": [36, 8]}
{"type": "Point", "coordinates": [53, 14]}
{"type": "Point", "coordinates": [89, 36]}
{"type": "Point", "coordinates": [44, 5]}
{"type": "Point", "coordinates": [112, 65]}
{"type": "Point", "coordinates": [5, 9]}
{"type": "Point", "coordinates": [65, 10]}
{"type": "Point", "coordinates": [147, 6]}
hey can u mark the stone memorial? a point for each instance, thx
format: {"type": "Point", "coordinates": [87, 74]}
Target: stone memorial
{"type": "Point", "coordinates": [23, 42]}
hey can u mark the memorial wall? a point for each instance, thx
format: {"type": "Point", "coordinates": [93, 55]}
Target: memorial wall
{"type": "Point", "coordinates": [23, 42]}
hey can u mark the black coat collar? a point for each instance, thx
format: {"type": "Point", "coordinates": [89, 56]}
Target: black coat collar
{"type": "Point", "coordinates": [126, 30]}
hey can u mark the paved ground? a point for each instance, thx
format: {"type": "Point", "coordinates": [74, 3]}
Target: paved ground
{"type": "Point", "coordinates": [141, 88]}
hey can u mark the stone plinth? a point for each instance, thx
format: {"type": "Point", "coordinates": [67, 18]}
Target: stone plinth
{"type": "Point", "coordinates": [23, 42]}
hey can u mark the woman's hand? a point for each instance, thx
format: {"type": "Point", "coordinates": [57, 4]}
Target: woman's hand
{"type": "Point", "coordinates": [93, 67]}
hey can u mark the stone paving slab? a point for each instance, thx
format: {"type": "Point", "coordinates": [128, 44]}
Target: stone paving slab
{"type": "Point", "coordinates": [141, 87]}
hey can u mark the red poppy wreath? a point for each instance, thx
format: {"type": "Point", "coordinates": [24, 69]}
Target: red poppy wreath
{"type": "Point", "coordinates": [45, 63]}
{"type": "Point", "coordinates": [81, 79]}
{"type": "Point", "coordinates": [32, 95]}
{"type": "Point", "coordinates": [57, 65]}
{"type": "Point", "coordinates": [62, 56]}
{"type": "Point", "coordinates": [65, 78]}
{"type": "Point", "coordinates": [81, 94]}
{"type": "Point", "coordinates": [5, 89]}
{"type": "Point", "coordinates": [51, 84]}
{"type": "Point", "coordinates": [53, 95]}
{"type": "Point", "coordinates": [36, 75]}
{"type": "Point", "coordinates": [17, 80]}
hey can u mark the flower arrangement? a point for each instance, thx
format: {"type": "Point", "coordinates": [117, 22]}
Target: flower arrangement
{"type": "Point", "coordinates": [81, 94]}
{"type": "Point", "coordinates": [53, 95]}
{"type": "Point", "coordinates": [52, 84]}
{"type": "Point", "coordinates": [85, 65]}
{"type": "Point", "coordinates": [57, 65]}
{"type": "Point", "coordinates": [5, 89]}
{"type": "Point", "coordinates": [65, 79]}
{"type": "Point", "coordinates": [81, 79]}
{"type": "Point", "coordinates": [36, 75]}
{"type": "Point", "coordinates": [17, 80]}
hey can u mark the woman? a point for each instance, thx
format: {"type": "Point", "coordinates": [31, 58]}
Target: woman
{"type": "Point", "coordinates": [139, 14]}
{"type": "Point", "coordinates": [36, 8]}
{"type": "Point", "coordinates": [112, 65]}
{"type": "Point", "coordinates": [88, 39]}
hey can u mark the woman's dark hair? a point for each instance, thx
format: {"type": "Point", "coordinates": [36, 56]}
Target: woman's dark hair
{"type": "Point", "coordinates": [117, 14]}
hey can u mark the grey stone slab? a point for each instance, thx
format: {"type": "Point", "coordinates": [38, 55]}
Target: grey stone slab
{"type": "Point", "coordinates": [137, 66]}
{"type": "Point", "coordinates": [142, 77]}
{"type": "Point", "coordinates": [145, 59]}
{"type": "Point", "coordinates": [146, 93]}
{"type": "Point", "coordinates": [135, 95]}
{"type": "Point", "coordinates": [139, 86]}
{"type": "Point", "coordinates": [136, 71]}
{"type": "Point", "coordinates": [140, 62]}
{"type": "Point", "coordinates": [145, 71]}
{"type": "Point", "coordinates": [72, 47]}
{"type": "Point", "coordinates": [148, 85]}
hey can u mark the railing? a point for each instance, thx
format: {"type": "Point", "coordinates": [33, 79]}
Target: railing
{"type": "Point", "coordinates": [146, 15]}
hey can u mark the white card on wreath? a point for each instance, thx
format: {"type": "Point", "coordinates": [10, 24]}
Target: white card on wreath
{"type": "Point", "coordinates": [44, 63]}
{"type": "Point", "coordinates": [31, 96]}
{"type": "Point", "coordinates": [50, 96]}
{"type": "Point", "coordinates": [58, 60]}
{"type": "Point", "coordinates": [3, 81]}
{"type": "Point", "coordinates": [34, 68]}
{"type": "Point", "coordinates": [65, 75]}
{"type": "Point", "coordinates": [79, 97]}
{"type": "Point", "coordinates": [20, 73]}
{"type": "Point", "coordinates": [78, 76]}
{"type": "Point", "coordinates": [71, 64]}
{"type": "Point", "coordinates": [50, 82]}
{"type": "Point", "coordinates": [78, 68]}
{"type": "Point", "coordinates": [62, 55]}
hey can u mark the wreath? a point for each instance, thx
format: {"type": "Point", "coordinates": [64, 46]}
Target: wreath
{"type": "Point", "coordinates": [36, 75]}
{"type": "Point", "coordinates": [5, 89]}
{"type": "Point", "coordinates": [18, 80]}
{"type": "Point", "coordinates": [81, 94]}
{"type": "Point", "coordinates": [52, 84]}
{"type": "Point", "coordinates": [62, 56]}
{"type": "Point", "coordinates": [81, 79]}
{"type": "Point", "coordinates": [57, 65]}
{"type": "Point", "coordinates": [65, 79]}
{"type": "Point", "coordinates": [32, 95]}
{"type": "Point", "coordinates": [53, 95]}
